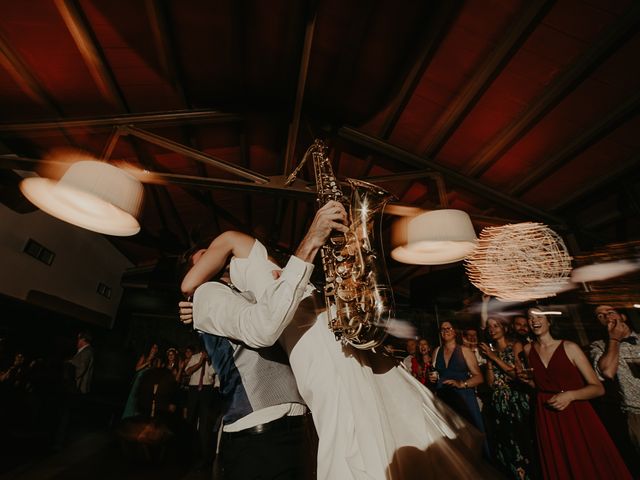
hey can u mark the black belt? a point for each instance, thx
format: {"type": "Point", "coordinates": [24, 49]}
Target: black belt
{"type": "Point", "coordinates": [288, 422]}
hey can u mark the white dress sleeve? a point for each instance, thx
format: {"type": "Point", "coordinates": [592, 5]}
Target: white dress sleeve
{"type": "Point", "coordinates": [220, 311]}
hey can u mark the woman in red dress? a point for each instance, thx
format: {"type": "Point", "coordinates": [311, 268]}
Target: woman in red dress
{"type": "Point", "coordinates": [572, 442]}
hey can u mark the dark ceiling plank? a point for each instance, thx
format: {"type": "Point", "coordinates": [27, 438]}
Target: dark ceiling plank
{"type": "Point", "coordinates": [451, 176]}
{"type": "Point", "coordinates": [78, 25]}
{"type": "Point", "coordinates": [24, 78]}
{"type": "Point", "coordinates": [437, 26]}
{"type": "Point", "coordinates": [294, 127]}
{"type": "Point", "coordinates": [584, 140]}
{"type": "Point", "coordinates": [29, 84]}
{"type": "Point", "coordinates": [342, 73]}
{"type": "Point", "coordinates": [564, 83]}
{"type": "Point", "coordinates": [164, 40]}
{"type": "Point", "coordinates": [170, 118]}
{"type": "Point", "coordinates": [610, 181]}
{"type": "Point", "coordinates": [486, 73]}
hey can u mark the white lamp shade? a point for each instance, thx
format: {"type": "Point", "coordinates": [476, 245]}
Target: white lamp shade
{"type": "Point", "coordinates": [94, 195]}
{"type": "Point", "coordinates": [603, 271]}
{"type": "Point", "coordinates": [437, 237]}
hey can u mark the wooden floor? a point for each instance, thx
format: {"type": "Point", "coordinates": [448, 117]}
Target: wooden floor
{"type": "Point", "coordinates": [99, 456]}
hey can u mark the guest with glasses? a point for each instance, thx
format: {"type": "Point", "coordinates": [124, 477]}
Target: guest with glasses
{"type": "Point", "coordinates": [456, 375]}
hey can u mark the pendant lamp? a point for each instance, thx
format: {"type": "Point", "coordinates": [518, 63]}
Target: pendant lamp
{"type": "Point", "coordinates": [92, 194]}
{"type": "Point", "coordinates": [435, 237]}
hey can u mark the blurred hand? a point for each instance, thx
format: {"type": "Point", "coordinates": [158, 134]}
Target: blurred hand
{"type": "Point", "coordinates": [486, 351]}
{"type": "Point", "coordinates": [560, 401]}
{"type": "Point", "coordinates": [186, 312]}
{"type": "Point", "coordinates": [524, 374]}
{"type": "Point", "coordinates": [617, 330]}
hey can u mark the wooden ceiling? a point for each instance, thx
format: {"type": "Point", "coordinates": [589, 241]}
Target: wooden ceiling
{"type": "Point", "coordinates": [510, 110]}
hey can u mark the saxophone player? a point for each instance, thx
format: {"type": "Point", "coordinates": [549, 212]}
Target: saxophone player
{"type": "Point", "coordinates": [363, 405]}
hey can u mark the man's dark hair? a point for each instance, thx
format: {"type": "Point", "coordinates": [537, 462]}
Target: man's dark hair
{"type": "Point", "coordinates": [86, 336]}
{"type": "Point", "coordinates": [185, 261]}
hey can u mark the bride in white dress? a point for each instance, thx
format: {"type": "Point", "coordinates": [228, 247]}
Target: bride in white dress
{"type": "Point", "coordinates": [374, 420]}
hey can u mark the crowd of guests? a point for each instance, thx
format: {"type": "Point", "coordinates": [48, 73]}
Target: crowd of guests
{"type": "Point", "coordinates": [530, 392]}
{"type": "Point", "coordinates": [180, 390]}
{"type": "Point", "coordinates": [38, 394]}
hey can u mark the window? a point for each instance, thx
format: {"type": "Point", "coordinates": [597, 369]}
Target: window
{"type": "Point", "coordinates": [104, 290]}
{"type": "Point", "coordinates": [39, 252]}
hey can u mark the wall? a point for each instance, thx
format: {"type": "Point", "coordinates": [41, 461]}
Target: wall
{"type": "Point", "coordinates": [69, 285]}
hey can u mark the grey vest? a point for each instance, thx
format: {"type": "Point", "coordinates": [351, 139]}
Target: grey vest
{"type": "Point", "coordinates": [250, 379]}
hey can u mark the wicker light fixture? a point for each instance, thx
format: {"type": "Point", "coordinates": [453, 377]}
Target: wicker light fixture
{"type": "Point", "coordinates": [519, 262]}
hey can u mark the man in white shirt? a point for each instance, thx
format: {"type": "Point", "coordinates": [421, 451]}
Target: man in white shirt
{"type": "Point", "coordinates": [264, 416]}
{"type": "Point", "coordinates": [374, 420]}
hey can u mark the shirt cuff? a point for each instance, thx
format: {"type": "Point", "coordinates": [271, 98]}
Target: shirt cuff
{"type": "Point", "coordinates": [297, 272]}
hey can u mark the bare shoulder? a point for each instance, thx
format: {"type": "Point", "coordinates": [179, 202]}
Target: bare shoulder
{"type": "Point", "coordinates": [527, 348]}
{"type": "Point", "coordinates": [573, 350]}
{"type": "Point", "coordinates": [467, 352]}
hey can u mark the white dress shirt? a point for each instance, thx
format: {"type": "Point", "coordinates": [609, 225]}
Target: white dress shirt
{"type": "Point", "coordinates": [374, 420]}
{"type": "Point", "coordinates": [209, 376]}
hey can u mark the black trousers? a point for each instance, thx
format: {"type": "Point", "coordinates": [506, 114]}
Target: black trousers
{"type": "Point", "coordinates": [279, 453]}
{"type": "Point", "coordinates": [203, 407]}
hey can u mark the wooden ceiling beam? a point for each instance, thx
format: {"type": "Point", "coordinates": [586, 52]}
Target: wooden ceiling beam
{"type": "Point", "coordinates": [579, 144]}
{"type": "Point", "coordinates": [30, 84]}
{"type": "Point", "coordinates": [294, 126]}
{"type": "Point", "coordinates": [177, 117]}
{"type": "Point", "coordinates": [194, 154]}
{"type": "Point", "coordinates": [608, 42]}
{"type": "Point", "coordinates": [437, 26]}
{"type": "Point", "coordinates": [274, 186]}
{"type": "Point", "coordinates": [24, 77]}
{"type": "Point", "coordinates": [458, 109]}
{"type": "Point", "coordinates": [93, 56]}
{"type": "Point", "coordinates": [163, 38]}
{"type": "Point", "coordinates": [452, 177]}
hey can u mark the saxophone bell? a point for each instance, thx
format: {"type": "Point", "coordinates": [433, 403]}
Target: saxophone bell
{"type": "Point", "coordinates": [357, 292]}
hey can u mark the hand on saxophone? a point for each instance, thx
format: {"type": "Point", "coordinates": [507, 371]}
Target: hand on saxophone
{"type": "Point", "coordinates": [332, 216]}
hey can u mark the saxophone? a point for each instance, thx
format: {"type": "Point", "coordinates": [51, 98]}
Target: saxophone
{"type": "Point", "coordinates": [357, 292]}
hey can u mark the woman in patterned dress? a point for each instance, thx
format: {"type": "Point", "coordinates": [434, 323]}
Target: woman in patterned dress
{"type": "Point", "coordinates": [508, 411]}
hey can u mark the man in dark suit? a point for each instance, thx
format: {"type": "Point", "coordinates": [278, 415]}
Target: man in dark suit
{"type": "Point", "coordinates": [83, 363]}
